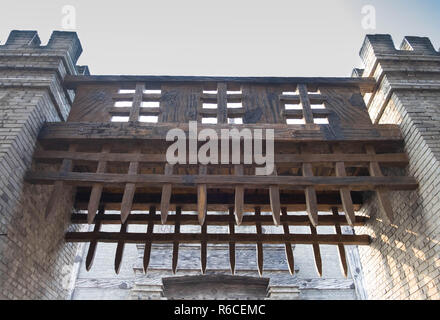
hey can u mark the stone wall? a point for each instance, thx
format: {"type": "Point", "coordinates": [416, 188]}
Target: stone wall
{"type": "Point", "coordinates": [35, 263]}
{"type": "Point", "coordinates": [403, 261]}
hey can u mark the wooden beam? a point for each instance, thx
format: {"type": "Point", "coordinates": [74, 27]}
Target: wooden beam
{"type": "Point", "coordinates": [58, 188]}
{"type": "Point", "coordinates": [202, 196]}
{"type": "Point", "coordinates": [231, 243]}
{"type": "Point", "coordinates": [239, 195]}
{"type": "Point", "coordinates": [120, 248]}
{"type": "Point", "coordinates": [311, 200]}
{"type": "Point", "coordinates": [203, 249]}
{"type": "Point", "coordinates": [222, 103]}
{"type": "Point", "coordinates": [175, 241]}
{"type": "Point", "coordinates": [158, 131]}
{"type": "Point", "coordinates": [305, 103]}
{"type": "Point", "coordinates": [129, 191]}
{"type": "Point", "coordinates": [288, 246]}
{"type": "Point", "coordinates": [259, 229]}
{"type": "Point", "coordinates": [316, 251]}
{"type": "Point", "coordinates": [382, 193]}
{"type": "Point", "coordinates": [341, 249]}
{"type": "Point", "coordinates": [95, 195]}
{"type": "Point", "coordinates": [245, 238]}
{"type": "Point", "coordinates": [72, 82]}
{"type": "Point", "coordinates": [274, 196]}
{"type": "Point", "coordinates": [166, 194]}
{"type": "Point", "coordinates": [148, 243]}
{"type": "Point", "coordinates": [137, 101]}
{"type": "Point", "coordinates": [93, 244]}
{"type": "Point", "coordinates": [225, 181]}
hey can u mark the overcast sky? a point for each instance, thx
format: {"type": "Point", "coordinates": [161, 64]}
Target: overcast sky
{"type": "Point", "coordinates": [235, 38]}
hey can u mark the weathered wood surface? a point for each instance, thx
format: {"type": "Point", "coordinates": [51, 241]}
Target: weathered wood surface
{"type": "Point", "coordinates": [360, 183]}
{"type": "Point", "coordinates": [158, 131]}
{"type": "Point", "coordinates": [365, 84]}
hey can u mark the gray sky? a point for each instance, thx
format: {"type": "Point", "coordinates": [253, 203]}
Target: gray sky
{"type": "Point", "coordinates": [236, 38]}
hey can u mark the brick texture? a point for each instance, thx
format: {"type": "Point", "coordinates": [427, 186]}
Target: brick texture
{"type": "Point", "coordinates": [35, 263]}
{"type": "Point", "coordinates": [404, 258]}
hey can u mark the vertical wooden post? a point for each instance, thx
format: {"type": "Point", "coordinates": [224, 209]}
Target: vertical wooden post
{"type": "Point", "coordinates": [341, 249]}
{"type": "Point", "coordinates": [93, 244]}
{"type": "Point", "coordinates": [137, 102]}
{"type": "Point", "coordinates": [176, 243]}
{"type": "Point", "coordinates": [259, 243]}
{"type": "Point", "coordinates": [274, 196]}
{"type": "Point", "coordinates": [203, 249]}
{"type": "Point", "coordinates": [316, 252]}
{"type": "Point", "coordinates": [311, 199]}
{"type": "Point", "coordinates": [239, 195]}
{"type": "Point", "coordinates": [95, 195]}
{"type": "Point", "coordinates": [166, 195]}
{"type": "Point", "coordinates": [305, 103]}
{"type": "Point", "coordinates": [232, 244]}
{"type": "Point", "coordinates": [58, 187]}
{"type": "Point", "coordinates": [222, 103]}
{"type": "Point", "coordinates": [382, 194]}
{"type": "Point", "coordinates": [288, 246]}
{"type": "Point", "coordinates": [148, 242]}
{"type": "Point", "coordinates": [130, 188]}
{"type": "Point", "coordinates": [202, 197]}
{"type": "Point", "coordinates": [120, 248]}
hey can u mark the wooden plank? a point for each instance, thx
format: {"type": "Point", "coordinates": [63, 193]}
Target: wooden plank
{"type": "Point", "coordinates": [310, 192]}
{"type": "Point", "coordinates": [202, 196]}
{"type": "Point", "coordinates": [95, 195]}
{"type": "Point", "coordinates": [259, 229]}
{"type": "Point", "coordinates": [365, 84]}
{"type": "Point", "coordinates": [175, 241]}
{"type": "Point", "coordinates": [239, 196]}
{"type": "Point", "coordinates": [148, 243]}
{"type": "Point", "coordinates": [137, 101]}
{"type": "Point", "coordinates": [274, 196]}
{"type": "Point", "coordinates": [94, 243]}
{"type": "Point", "coordinates": [130, 188]}
{"type": "Point", "coordinates": [317, 251]}
{"type": "Point", "coordinates": [244, 238]}
{"type": "Point", "coordinates": [225, 181]}
{"type": "Point", "coordinates": [222, 103]}
{"type": "Point", "coordinates": [305, 103]}
{"type": "Point", "coordinates": [158, 131]}
{"type": "Point", "coordinates": [219, 220]}
{"type": "Point", "coordinates": [347, 202]}
{"type": "Point", "coordinates": [392, 159]}
{"type": "Point", "coordinates": [341, 249]}
{"type": "Point", "coordinates": [58, 188]}
{"type": "Point", "coordinates": [166, 194]}
{"type": "Point", "coordinates": [203, 249]}
{"type": "Point", "coordinates": [288, 246]}
{"type": "Point", "coordinates": [120, 248]}
{"type": "Point", "coordinates": [231, 243]}
{"type": "Point", "coordinates": [382, 193]}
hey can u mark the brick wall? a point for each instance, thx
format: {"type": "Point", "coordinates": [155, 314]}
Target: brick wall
{"type": "Point", "coordinates": [403, 261]}
{"type": "Point", "coordinates": [35, 263]}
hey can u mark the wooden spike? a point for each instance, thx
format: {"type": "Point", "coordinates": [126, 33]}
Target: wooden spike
{"type": "Point", "coordinates": [94, 243]}
{"type": "Point", "coordinates": [311, 200]}
{"type": "Point", "coordinates": [95, 195]}
{"type": "Point", "coordinates": [148, 242]}
{"type": "Point", "coordinates": [232, 244]}
{"type": "Point", "coordinates": [316, 252]}
{"type": "Point", "coordinates": [341, 248]}
{"type": "Point", "coordinates": [58, 188]}
{"type": "Point", "coordinates": [202, 197]}
{"type": "Point", "coordinates": [274, 196]}
{"type": "Point", "coordinates": [347, 202]}
{"type": "Point", "coordinates": [382, 194]}
{"type": "Point", "coordinates": [288, 246]}
{"type": "Point", "coordinates": [166, 195]}
{"type": "Point", "coordinates": [203, 250]}
{"type": "Point", "coordinates": [260, 259]}
{"type": "Point", "coordinates": [130, 188]}
{"type": "Point", "coordinates": [176, 243]}
{"type": "Point", "coordinates": [120, 249]}
{"type": "Point", "coordinates": [239, 196]}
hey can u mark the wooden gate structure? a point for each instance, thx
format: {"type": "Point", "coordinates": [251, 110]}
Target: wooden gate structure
{"type": "Point", "coordinates": [327, 154]}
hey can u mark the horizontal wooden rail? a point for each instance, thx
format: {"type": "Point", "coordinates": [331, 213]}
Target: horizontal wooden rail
{"type": "Point", "coordinates": [217, 238]}
{"type": "Point", "coordinates": [158, 131]}
{"type": "Point", "coordinates": [360, 183]}
{"type": "Point", "coordinates": [218, 220]}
